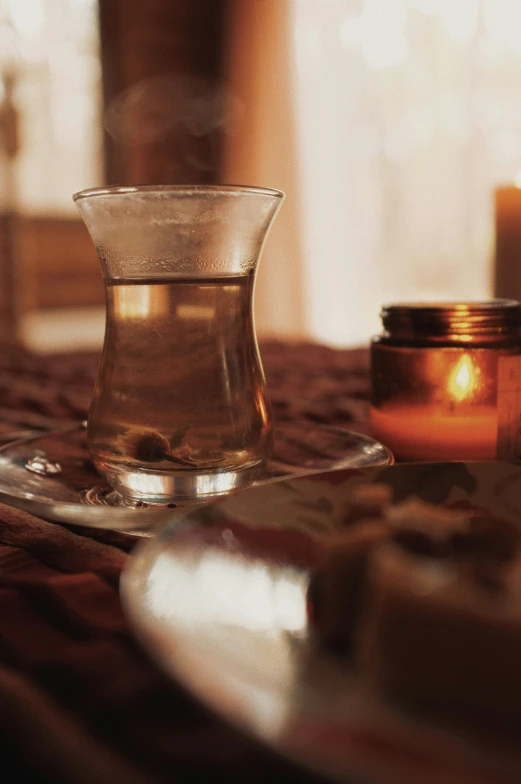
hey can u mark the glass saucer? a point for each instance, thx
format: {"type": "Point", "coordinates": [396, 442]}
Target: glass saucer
{"type": "Point", "coordinates": [53, 477]}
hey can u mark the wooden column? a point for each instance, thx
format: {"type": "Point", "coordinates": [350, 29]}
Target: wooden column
{"type": "Point", "coordinates": [162, 77]}
{"type": "Point", "coordinates": [9, 290]}
{"type": "Point", "coordinates": [11, 299]}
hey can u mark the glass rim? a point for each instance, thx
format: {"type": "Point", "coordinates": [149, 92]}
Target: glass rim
{"type": "Point", "coordinates": [123, 190]}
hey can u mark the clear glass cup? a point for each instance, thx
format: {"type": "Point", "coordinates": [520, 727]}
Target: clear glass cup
{"type": "Point", "coordinates": [180, 411]}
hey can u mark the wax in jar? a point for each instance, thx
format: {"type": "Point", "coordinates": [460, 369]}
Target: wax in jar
{"type": "Point", "coordinates": [436, 433]}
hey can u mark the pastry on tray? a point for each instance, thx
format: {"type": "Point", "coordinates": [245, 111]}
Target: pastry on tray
{"type": "Point", "coordinates": [425, 603]}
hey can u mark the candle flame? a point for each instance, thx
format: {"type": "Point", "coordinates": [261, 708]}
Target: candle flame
{"type": "Point", "coordinates": [462, 379]}
{"type": "Point", "coordinates": [517, 179]}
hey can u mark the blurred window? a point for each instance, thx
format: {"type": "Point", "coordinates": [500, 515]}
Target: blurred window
{"type": "Point", "coordinates": [408, 117]}
{"type": "Point", "coordinates": [49, 48]}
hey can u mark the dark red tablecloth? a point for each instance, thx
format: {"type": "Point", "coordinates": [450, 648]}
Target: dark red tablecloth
{"type": "Point", "coordinates": [79, 700]}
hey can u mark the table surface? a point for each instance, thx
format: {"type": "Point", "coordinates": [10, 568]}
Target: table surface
{"type": "Point", "coordinates": [79, 700]}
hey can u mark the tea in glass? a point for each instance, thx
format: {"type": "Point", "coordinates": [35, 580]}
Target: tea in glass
{"type": "Point", "coordinates": [180, 410]}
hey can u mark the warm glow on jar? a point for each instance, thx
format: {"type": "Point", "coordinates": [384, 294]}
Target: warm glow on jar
{"type": "Point", "coordinates": [446, 381]}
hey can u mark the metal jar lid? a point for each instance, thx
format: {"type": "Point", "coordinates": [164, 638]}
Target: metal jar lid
{"type": "Point", "coordinates": [491, 321]}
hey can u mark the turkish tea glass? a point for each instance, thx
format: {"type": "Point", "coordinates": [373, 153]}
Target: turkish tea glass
{"type": "Point", "coordinates": [180, 411]}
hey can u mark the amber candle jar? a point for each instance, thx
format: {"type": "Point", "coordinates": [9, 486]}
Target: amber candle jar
{"type": "Point", "coordinates": [446, 381]}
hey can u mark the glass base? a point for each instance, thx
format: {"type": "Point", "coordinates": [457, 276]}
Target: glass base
{"type": "Point", "coordinates": [162, 488]}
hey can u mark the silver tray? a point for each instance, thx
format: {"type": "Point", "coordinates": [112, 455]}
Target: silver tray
{"type": "Point", "coordinates": [220, 602]}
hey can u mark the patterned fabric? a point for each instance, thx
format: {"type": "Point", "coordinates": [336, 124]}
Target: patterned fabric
{"type": "Point", "coordinates": [79, 700]}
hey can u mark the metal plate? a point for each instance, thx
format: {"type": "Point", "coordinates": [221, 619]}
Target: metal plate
{"type": "Point", "coordinates": [220, 601]}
